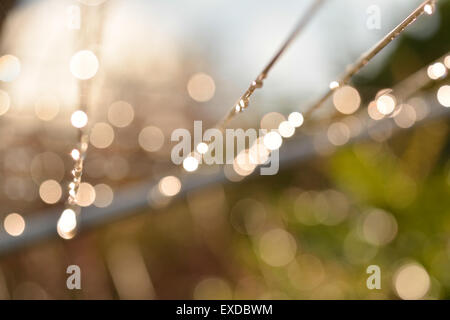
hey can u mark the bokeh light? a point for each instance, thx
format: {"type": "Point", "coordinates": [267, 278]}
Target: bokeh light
{"type": "Point", "coordinates": [190, 163]}
{"type": "Point", "coordinates": [212, 288]}
{"type": "Point", "coordinates": [120, 114]}
{"type": "Point", "coordinates": [436, 71]}
{"type": "Point", "coordinates": [243, 165]}
{"type": "Point", "coordinates": [273, 140]}
{"type": "Point", "coordinates": [169, 186]}
{"type": "Point", "coordinates": [104, 195]}
{"type": "Point", "coordinates": [201, 87]}
{"type": "Point", "coordinates": [447, 61]}
{"type": "Point", "coordinates": [84, 65]}
{"type": "Point", "coordinates": [379, 227]}
{"type": "Point", "coordinates": [277, 247]}
{"type": "Point", "coordinates": [286, 129]}
{"type": "Point", "coordinates": [271, 121]}
{"type": "Point", "coordinates": [411, 281]}
{"type": "Point", "coordinates": [443, 95]}
{"type": "Point", "coordinates": [406, 117]}
{"type": "Point", "coordinates": [50, 191]}
{"type": "Point", "coordinates": [14, 224]}
{"type": "Point", "coordinates": [202, 148]}
{"type": "Point", "coordinates": [85, 195]}
{"type": "Point", "coordinates": [79, 119]}
{"type": "Point", "coordinates": [5, 102]}
{"type": "Point", "coordinates": [338, 133]}
{"type": "Point", "coordinates": [373, 112]}
{"type": "Point", "coordinates": [295, 119]}
{"type": "Point", "coordinates": [47, 107]}
{"type": "Point", "coordinates": [102, 135]}
{"type": "Point", "coordinates": [9, 68]}
{"type": "Point", "coordinates": [151, 138]}
{"type": "Point", "coordinates": [346, 99]}
{"type": "Point", "coordinates": [386, 104]}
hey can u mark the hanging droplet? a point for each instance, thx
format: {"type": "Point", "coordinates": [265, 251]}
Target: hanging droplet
{"type": "Point", "coordinates": [257, 84]}
{"type": "Point", "coordinates": [75, 154]}
{"type": "Point", "coordinates": [243, 103]}
{"type": "Point", "coordinates": [334, 85]}
{"type": "Point", "coordinates": [429, 8]}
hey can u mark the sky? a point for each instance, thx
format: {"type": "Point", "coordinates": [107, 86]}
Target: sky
{"type": "Point", "coordinates": [232, 41]}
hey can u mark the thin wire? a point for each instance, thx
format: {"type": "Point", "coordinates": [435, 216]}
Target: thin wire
{"type": "Point", "coordinates": [403, 90]}
{"type": "Point", "coordinates": [83, 136]}
{"type": "Point", "coordinates": [243, 101]}
{"type": "Point", "coordinates": [369, 55]}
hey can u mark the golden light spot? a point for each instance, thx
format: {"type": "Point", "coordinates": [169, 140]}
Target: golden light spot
{"type": "Point", "coordinates": [447, 62]}
{"type": "Point", "coordinates": [420, 106]}
{"type": "Point", "coordinates": [272, 140]}
{"type": "Point", "coordinates": [85, 195]}
{"type": "Point", "coordinates": [50, 191]}
{"type": "Point", "coordinates": [354, 124]}
{"type": "Point", "coordinates": [338, 133]}
{"type": "Point", "coordinates": [201, 87]}
{"type": "Point", "coordinates": [346, 99]}
{"type": "Point", "coordinates": [443, 96]}
{"type": "Point", "coordinates": [120, 114]}
{"type": "Point", "coordinates": [104, 195]}
{"type": "Point", "coordinates": [258, 153]}
{"type": "Point", "coordinates": [271, 121]}
{"type": "Point", "coordinates": [212, 288]}
{"type": "Point", "coordinates": [190, 164]}
{"type": "Point", "coordinates": [379, 227]}
{"type": "Point", "coordinates": [406, 117]}
{"type": "Point", "coordinates": [386, 104]}
{"type": "Point", "coordinates": [46, 107]}
{"type": "Point", "coordinates": [373, 112]}
{"type": "Point", "coordinates": [306, 273]}
{"type": "Point", "coordinates": [151, 139]}
{"type": "Point", "coordinates": [14, 224]}
{"type": "Point", "coordinates": [5, 102]}
{"type": "Point", "coordinates": [411, 282]}
{"type": "Point", "coordinates": [169, 186]}
{"type": "Point", "coordinates": [286, 130]}
{"type": "Point", "coordinates": [296, 119]}
{"type": "Point", "coordinates": [202, 148]}
{"type": "Point", "coordinates": [79, 119]}
{"type": "Point", "coordinates": [84, 65]}
{"type": "Point", "coordinates": [277, 247]}
{"type": "Point", "coordinates": [9, 68]}
{"type": "Point", "coordinates": [242, 164]}
{"type": "Point", "coordinates": [102, 135]}
{"type": "Point", "coordinates": [436, 71]}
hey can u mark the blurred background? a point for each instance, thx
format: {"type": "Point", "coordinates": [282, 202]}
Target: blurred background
{"type": "Point", "coordinates": [359, 184]}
